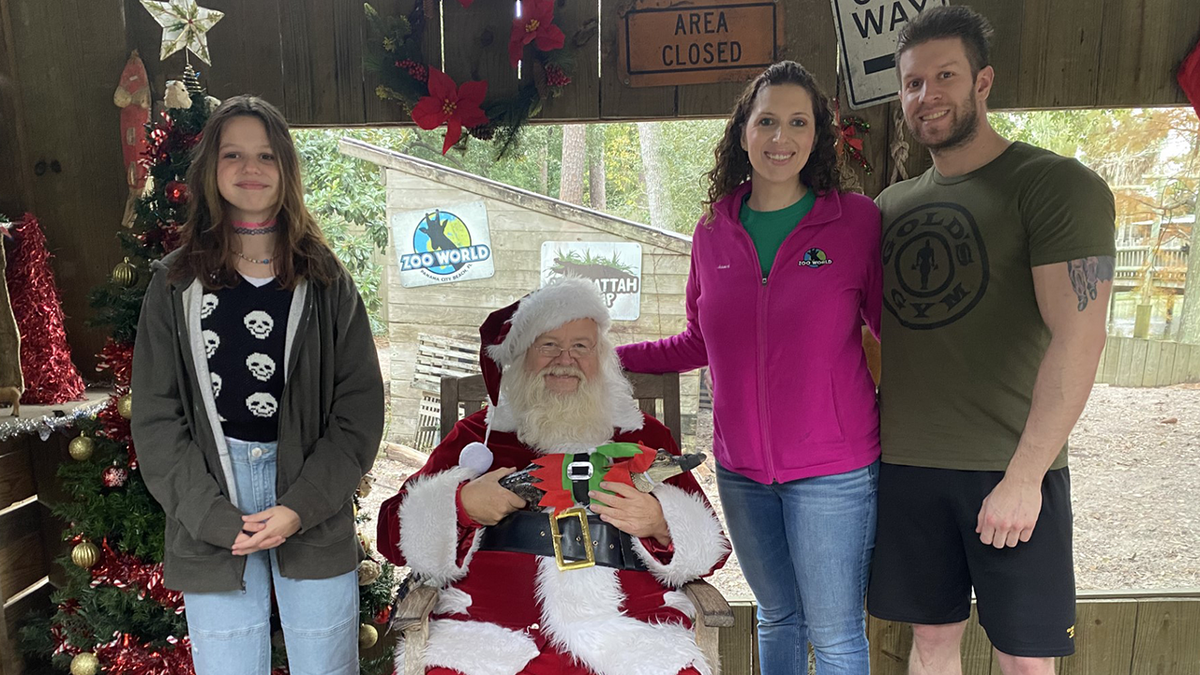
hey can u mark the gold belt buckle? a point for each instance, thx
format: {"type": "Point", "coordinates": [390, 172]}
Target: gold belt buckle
{"type": "Point", "coordinates": [556, 538]}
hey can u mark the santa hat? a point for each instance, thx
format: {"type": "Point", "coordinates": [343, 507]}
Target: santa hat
{"type": "Point", "coordinates": [510, 331]}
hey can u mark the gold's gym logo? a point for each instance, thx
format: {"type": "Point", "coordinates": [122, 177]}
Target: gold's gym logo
{"type": "Point", "coordinates": [1071, 632]}
{"type": "Point", "coordinates": [935, 266]}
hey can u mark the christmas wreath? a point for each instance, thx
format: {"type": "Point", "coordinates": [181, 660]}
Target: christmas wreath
{"type": "Point", "coordinates": [434, 99]}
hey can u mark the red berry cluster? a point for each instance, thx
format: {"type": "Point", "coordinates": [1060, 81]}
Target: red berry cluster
{"type": "Point", "coordinates": [418, 71]}
{"type": "Point", "coordinates": [556, 77]}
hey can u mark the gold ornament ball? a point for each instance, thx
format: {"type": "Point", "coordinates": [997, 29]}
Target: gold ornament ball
{"type": "Point", "coordinates": [124, 274]}
{"type": "Point", "coordinates": [125, 406]}
{"type": "Point", "coordinates": [85, 664]}
{"type": "Point", "coordinates": [366, 542]}
{"type": "Point", "coordinates": [85, 554]}
{"type": "Point", "coordinates": [81, 447]}
{"type": "Point", "coordinates": [367, 636]}
{"type": "Point", "coordinates": [368, 572]}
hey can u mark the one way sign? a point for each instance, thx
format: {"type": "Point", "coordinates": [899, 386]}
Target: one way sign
{"type": "Point", "coordinates": [867, 31]}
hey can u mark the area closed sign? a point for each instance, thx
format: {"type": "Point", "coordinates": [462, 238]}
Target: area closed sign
{"type": "Point", "coordinates": [867, 32]}
{"type": "Point", "coordinates": [664, 43]}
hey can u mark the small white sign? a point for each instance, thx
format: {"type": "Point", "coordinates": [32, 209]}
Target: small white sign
{"type": "Point", "coordinates": [442, 245]}
{"type": "Point", "coordinates": [867, 32]}
{"type": "Point", "coordinates": [615, 268]}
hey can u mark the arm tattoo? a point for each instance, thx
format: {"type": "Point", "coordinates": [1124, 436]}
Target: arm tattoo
{"type": "Point", "coordinates": [1087, 273]}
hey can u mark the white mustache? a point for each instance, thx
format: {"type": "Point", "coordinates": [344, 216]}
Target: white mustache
{"type": "Point", "coordinates": [563, 371]}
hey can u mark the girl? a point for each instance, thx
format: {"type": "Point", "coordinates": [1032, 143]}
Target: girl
{"type": "Point", "coordinates": [785, 270]}
{"type": "Point", "coordinates": [259, 407]}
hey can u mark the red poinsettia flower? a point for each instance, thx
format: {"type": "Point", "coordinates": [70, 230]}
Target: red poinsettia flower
{"type": "Point", "coordinates": [452, 105]}
{"type": "Point", "coordinates": [536, 24]}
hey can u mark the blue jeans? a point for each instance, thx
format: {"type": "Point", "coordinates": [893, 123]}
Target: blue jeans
{"type": "Point", "coordinates": [230, 631]}
{"type": "Point", "coordinates": [805, 548]}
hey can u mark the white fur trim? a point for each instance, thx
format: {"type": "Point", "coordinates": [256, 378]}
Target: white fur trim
{"type": "Point", "coordinates": [429, 527]}
{"type": "Point", "coordinates": [452, 601]}
{"type": "Point", "coordinates": [581, 614]}
{"type": "Point", "coordinates": [547, 308]}
{"type": "Point", "coordinates": [680, 602]}
{"type": "Point", "coordinates": [474, 648]}
{"type": "Point", "coordinates": [695, 533]}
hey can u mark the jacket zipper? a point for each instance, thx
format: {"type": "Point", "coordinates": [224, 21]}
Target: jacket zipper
{"type": "Point", "coordinates": [186, 344]}
{"type": "Point", "coordinates": [763, 399]}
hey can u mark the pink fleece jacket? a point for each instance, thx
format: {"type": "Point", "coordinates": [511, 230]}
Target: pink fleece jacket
{"type": "Point", "coordinates": [792, 394]}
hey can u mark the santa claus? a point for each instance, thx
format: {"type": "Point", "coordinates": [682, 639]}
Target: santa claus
{"type": "Point", "coordinates": [517, 592]}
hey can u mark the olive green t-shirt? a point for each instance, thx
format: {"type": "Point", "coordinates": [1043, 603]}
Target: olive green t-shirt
{"type": "Point", "coordinates": [962, 336]}
{"type": "Point", "coordinates": [768, 229]}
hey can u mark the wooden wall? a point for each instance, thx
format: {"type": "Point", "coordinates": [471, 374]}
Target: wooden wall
{"type": "Point", "coordinates": [29, 536]}
{"type": "Point", "coordinates": [1138, 362]}
{"type": "Point", "coordinates": [519, 222]}
{"type": "Point", "coordinates": [1116, 633]}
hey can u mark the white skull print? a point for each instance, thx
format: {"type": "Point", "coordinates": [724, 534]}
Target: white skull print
{"type": "Point", "coordinates": [216, 384]}
{"type": "Point", "coordinates": [262, 404]}
{"type": "Point", "coordinates": [211, 342]}
{"type": "Point", "coordinates": [260, 324]}
{"type": "Point", "coordinates": [261, 366]}
{"type": "Point", "coordinates": [207, 304]}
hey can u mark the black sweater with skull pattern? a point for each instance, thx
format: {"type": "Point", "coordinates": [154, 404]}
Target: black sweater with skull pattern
{"type": "Point", "coordinates": [245, 333]}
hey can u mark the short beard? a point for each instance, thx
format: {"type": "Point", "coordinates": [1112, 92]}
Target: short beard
{"type": "Point", "coordinates": [964, 129]}
{"type": "Point", "coordinates": [550, 422]}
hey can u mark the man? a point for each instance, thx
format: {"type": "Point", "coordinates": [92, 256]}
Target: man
{"type": "Point", "coordinates": [506, 604]}
{"type": "Point", "coordinates": [998, 269]}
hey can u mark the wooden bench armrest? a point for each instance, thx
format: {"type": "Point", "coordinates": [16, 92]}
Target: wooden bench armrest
{"type": "Point", "coordinates": [414, 610]}
{"type": "Point", "coordinates": [711, 607]}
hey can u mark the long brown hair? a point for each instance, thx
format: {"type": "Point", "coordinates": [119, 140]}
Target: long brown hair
{"type": "Point", "coordinates": [732, 167]}
{"type": "Point", "coordinates": [208, 240]}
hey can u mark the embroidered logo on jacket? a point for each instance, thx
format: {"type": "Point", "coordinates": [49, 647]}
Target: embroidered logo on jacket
{"type": "Point", "coordinates": [815, 257]}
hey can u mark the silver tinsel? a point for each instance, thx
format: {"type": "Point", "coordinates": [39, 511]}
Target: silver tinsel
{"type": "Point", "coordinates": [45, 425]}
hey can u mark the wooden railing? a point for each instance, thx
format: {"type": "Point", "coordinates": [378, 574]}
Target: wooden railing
{"type": "Point", "coordinates": [1116, 633]}
{"type": "Point", "coordinates": [1169, 266]}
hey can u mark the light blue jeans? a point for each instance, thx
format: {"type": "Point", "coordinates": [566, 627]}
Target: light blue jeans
{"type": "Point", "coordinates": [231, 631]}
{"type": "Point", "coordinates": [805, 548]}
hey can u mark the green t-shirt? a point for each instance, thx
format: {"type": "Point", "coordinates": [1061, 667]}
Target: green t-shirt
{"type": "Point", "coordinates": [768, 229]}
{"type": "Point", "coordinates": [962, 336]}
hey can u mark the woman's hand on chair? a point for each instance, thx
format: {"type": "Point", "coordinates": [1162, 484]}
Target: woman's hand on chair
{"type": "Point", "coordinates": [486, 502]}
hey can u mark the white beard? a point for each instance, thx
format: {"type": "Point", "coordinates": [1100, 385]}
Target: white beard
{"type": "Point", "coordinates": [549, 422]}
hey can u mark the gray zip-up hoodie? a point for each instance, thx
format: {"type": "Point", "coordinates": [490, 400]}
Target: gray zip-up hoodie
{"type": "Point", "coordinates": [330, 426]}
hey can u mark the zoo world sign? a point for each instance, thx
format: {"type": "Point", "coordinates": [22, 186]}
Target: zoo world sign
{"type": "Point", "coordinates": [615, 268]}
{"type": "Point", "coordinates": [438, 246]}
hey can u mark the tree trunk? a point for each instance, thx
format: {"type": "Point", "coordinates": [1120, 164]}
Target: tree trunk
{"type": "Point", "coordinates": [597, 190]}
{"type": "Point", "coordinates": [544, 168]}
{"type": "Point", "coordinates": [574, 151]}
{"type": "Point", "coordinates": [1189, 315]}
{"type": "Point", "coordinates": [656, 188]}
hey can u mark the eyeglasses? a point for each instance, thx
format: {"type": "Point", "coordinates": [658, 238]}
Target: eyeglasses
{"type": "Point", "coordinates": [554, 351]}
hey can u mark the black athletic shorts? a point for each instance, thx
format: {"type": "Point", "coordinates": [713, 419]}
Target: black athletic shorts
{"type": "Point", "coordinates": [928, 557]}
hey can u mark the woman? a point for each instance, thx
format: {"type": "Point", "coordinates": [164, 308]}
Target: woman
{"type": "Point", "coordinates": [785, 270]}
{"type": "Point", "coordinates": [258, 408]}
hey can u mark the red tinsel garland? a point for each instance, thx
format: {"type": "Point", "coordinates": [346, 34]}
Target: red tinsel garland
{"type": "Point", "coordinates": [50, 377]}
{"type": "Point", "coordinates": [117, 357]}
{"type": "Point", "coordinates": [122, 570]}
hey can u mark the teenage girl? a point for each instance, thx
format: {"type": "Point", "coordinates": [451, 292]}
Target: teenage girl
{"type": "Point", "coordinates": [258, 407]}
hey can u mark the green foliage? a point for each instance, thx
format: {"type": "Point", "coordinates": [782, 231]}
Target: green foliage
{"type": "Point", "coordinates": [346, 197]}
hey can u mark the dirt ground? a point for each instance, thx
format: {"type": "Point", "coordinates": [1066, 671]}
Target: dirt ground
{"type": "Point", "coordinates": [1135, 460]}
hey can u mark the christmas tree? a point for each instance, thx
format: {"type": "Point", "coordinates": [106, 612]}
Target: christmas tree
{"type": "Point", "coordinates": [50, 377]}
{"type": "Point", "coordinates": [114, 613]}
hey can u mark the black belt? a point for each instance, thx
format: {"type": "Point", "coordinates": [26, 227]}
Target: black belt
{"type": "Point", "coordinates": [532, 532]}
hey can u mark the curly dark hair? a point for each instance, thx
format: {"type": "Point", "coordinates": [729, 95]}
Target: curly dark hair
{"type": "Point", "coordinates": [732, 166]}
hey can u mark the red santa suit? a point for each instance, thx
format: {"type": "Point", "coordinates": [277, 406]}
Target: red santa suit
{"type": "Point", "coordinates": [503, 613]}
